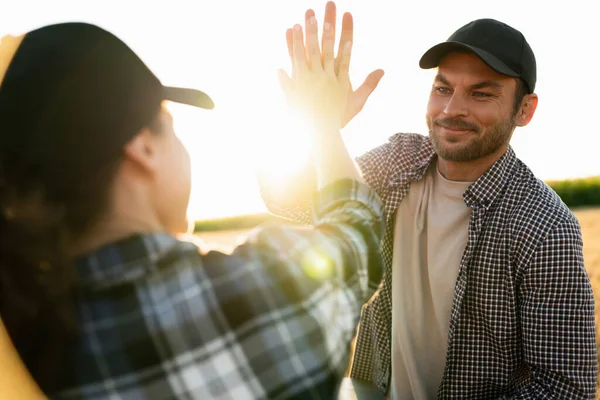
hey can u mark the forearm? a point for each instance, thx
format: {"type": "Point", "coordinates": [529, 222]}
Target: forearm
{"type": "Point", "coordinates": [332, 160]}
{"type": "Point", "coordinates": [342, 249]}
{"type": "Point", "coordinates": [291, 197]}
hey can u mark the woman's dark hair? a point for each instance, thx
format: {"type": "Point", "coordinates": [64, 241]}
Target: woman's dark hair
{"type": "Point", "coordinates": [39, 215]}
{"type": "Point", "coordinates": [36, 275]}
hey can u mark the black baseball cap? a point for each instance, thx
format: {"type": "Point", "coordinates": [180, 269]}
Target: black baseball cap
{"type": "Point", "coordinates": [79, 94]}
{"type": "Point", "coordinates": [500, 46]}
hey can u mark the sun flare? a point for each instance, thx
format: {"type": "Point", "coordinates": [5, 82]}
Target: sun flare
{"type": "Point", "coordinates": [278, 150]}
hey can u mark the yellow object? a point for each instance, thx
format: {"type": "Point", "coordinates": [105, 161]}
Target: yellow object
{"type": "Point", "coordinates": [15, 381]}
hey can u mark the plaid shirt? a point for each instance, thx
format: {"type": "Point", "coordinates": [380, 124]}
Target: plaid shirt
{"type": "Point", "coordinates": [522, 319]}
{"type": "Point", "coordinates": [160, 320]}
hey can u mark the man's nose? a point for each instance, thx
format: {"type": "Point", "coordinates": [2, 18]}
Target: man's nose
{"type": "Point", "coordinates": [456, 106]}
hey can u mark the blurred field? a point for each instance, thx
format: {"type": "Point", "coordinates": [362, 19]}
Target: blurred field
{"type": "Point", "coordinates": [589, 218]}
{"type": "Point", "coordinates": [590, 225]}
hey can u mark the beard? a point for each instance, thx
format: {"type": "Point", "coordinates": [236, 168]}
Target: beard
{"type": "Point", "coordinates": [496, 136]}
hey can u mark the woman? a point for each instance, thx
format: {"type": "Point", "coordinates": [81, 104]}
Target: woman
{"type": "Point", "coordinates": [100, 298]}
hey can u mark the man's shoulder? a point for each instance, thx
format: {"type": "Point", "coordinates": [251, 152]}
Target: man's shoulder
{"type": "Point", "coordinates": [403, 150]}
{"type": "Point", "coordinates": [536, 208]}
{"type": "Point", "coordinates": [537, 195]}
{"type": "Point", "coordinates": [409, 141]}
{"type": "Point", "coordinates": [401, 141]}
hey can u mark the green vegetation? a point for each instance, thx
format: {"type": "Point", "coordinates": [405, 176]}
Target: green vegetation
{"type": "Point", "coordinates": [236, 222]}
{"type": "Point", "coordinates": [578, 192]}
{"type": "Point", "coordinates": [574, 192]}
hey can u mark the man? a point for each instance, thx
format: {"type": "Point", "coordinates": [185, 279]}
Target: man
{"type": "Point", "coordinates": [100, 298]}
{"type": "Point", "coordinates": [484, 294]}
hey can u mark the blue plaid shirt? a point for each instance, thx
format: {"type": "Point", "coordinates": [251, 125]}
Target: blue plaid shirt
{"type": "Point", "coordinates": [160, 320]}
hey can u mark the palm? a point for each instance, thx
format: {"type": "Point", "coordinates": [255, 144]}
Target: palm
{"type": "Point", "coordinates": [356, 98]}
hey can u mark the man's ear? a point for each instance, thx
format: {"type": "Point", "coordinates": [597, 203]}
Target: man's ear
{"type": "Point", "coordinates": [527, 109]}
{"type": "Point", "coordinates": [141, 150]}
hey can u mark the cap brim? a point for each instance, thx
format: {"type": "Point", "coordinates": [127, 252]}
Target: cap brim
{"type": "Point", "coordinates": [434, 56]}
{"type": "Point", "coordinates": [190, 97]}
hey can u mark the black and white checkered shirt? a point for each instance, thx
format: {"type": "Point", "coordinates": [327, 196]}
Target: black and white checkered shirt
{"type": "Point", "coordinates": [522, 319]}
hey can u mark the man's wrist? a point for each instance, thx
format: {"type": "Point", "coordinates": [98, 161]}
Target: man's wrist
{"type": "Point", "coordinates": [325, 128]}
{"type": "Point", "coordinates": [326, 121]}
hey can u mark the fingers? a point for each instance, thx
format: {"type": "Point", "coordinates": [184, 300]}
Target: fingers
{"type": "Point", "coordinates": [312, 40]}
{"type": "Point", "coordinates": [370, 83]}
{"type": "Point", "coordinates": [344, 57]}
{"type": "Point", "coordinates": [329, 20]}
{"type": "Point", "coordinates": [289, 38]}
{"type": "Point", "coordinates": [328, 43]}
{"type": "Point", "coordinates": [299, 55]}
{"type": "Point", "coordinates": [361, 95]}
{"type": "Point", "coordinates": [309, 13]}
{"type": "Point", "coordinates": [346, 36]}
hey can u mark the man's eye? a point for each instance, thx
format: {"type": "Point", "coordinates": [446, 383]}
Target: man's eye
{"type": "Point", "coordinates": [442, 90]}
{"type": "Point", "coordinates": [481, 94]}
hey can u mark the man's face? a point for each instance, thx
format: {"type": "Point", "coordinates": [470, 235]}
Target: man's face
{"type": "Point", "coordinates": [173, 180]}
{"type": "Point", "coordinates": [470, 113]}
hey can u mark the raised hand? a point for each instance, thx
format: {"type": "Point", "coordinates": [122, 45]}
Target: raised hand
{"type": "Point", "coordinates": [322, 95]}
{"type": "Point", "coordinates": [356, 98]}
{"type": "Point", "coordinates": [314, 86]}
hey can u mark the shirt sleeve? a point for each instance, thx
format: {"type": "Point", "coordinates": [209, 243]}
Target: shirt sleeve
{"type": "Point", "coordinates": [557, 317]}
{"type": "Point", "coordinates": [292, 295]}
{"type": "Point", "coordinates": [375, 166]}
{"type": "Point", "coordinates": [291, 198]}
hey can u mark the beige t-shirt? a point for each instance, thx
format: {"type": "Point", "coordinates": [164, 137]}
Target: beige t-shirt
{"type": "Point", "coordinates": [430, 237]}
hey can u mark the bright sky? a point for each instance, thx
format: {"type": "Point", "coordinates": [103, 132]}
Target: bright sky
{"type": "Point", "coordinates": [232, 49]}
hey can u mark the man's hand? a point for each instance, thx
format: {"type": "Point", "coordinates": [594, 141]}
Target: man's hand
{"type": "Point", "coordinates": [356, 98]}
{"type": "Point", "coordinates": [315, 88]}
{"type": "Point", "coordinates": [317, 91]}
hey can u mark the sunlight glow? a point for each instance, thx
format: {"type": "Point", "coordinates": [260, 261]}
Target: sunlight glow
{"type": "Point", "coordinates": [285, 149]}
{"type": "Point", "coordinates": [317, 266]}
{"type": "Point", "coordinates": [232, 51]}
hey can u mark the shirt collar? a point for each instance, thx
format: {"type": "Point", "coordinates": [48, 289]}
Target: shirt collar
{"type": "Point", "coordinates": [423, 155]}
{"type": "Point", "coordinates": [483, 192]}
{"type": "Point", "coordinates": [489, 185]}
